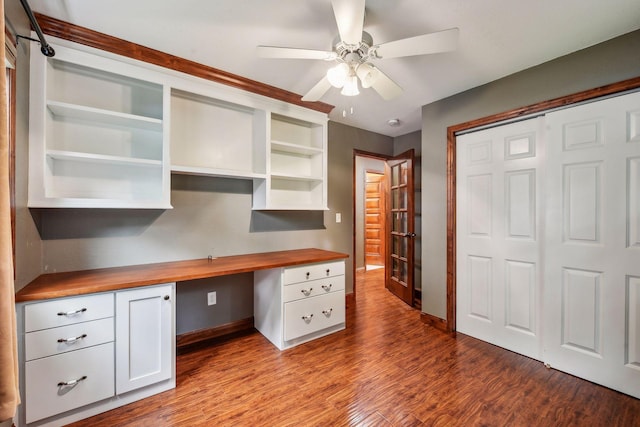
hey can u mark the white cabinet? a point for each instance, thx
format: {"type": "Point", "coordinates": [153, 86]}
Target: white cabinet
{"type": "Point", "coordinates": [145, 344]}
{"type": "Point", "coordinates": [84, 355]}
{"type": "Point", "coordinates": [294, 305]}
{"type": "Point", "coordinates": [97, 134]}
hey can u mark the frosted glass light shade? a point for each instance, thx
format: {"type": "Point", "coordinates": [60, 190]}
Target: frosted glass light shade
{"type": "Point", "coordinates": [338, 75]}
{"type": "Point", "coordinates": [367, 74]}
{"type": "Point", "coordinates": [350, 86]}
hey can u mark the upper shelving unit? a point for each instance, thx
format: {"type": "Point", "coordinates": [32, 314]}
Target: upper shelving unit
{"type": "Point", "coordinates": [108, 132]}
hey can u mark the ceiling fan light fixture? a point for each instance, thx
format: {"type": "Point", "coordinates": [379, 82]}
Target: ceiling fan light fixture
{"type": "Point", "coordinates": [338, 75]}
{"type": "Point", "coordinates": [350, 87]}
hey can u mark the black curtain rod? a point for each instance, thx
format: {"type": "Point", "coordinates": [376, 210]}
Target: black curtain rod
{"type": "Point", "coordinates": [45, 48]}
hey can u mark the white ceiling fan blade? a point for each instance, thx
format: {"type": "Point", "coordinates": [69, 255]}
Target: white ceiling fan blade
{"type": "Point", "coordinates": [386, 88]}
{"type": "Point", "coordinates": [350, 19]}
{"type": "Point", "coordinates": [294, 53]}
{"type": "Point", "coordinates": [318, 90]}
{"type": "Point", "coordinates": [442, 41]}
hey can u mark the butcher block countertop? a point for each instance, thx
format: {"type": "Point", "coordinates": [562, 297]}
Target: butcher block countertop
{"type": "Point", "coordinates": [56, 285]}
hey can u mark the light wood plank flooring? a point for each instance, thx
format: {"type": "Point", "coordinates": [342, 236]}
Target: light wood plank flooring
{"type": "Point", "coordinates": [386, 369]}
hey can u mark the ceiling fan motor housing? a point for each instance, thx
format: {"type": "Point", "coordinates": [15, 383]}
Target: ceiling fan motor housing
{"type": "Point", "coordinates": [354, 54]}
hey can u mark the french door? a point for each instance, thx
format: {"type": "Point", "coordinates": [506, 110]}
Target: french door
{"type": "Point", "coordinates": [548, 250]}
{"type": "Point", "coordinates": [401, 236]}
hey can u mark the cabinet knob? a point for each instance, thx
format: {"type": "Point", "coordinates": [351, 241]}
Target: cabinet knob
{"type": "Point", "coordinates": [306, 292]}
{"type": "Point", "coordinates": [327, 312]}
{"type": "Point", "coordinates": [327, 288]}
{"type": "Point", "coordinates": [307, 318]}
{"type": "Point", "coordinates": [167, 297]}
{"type": "Point", "coordinates": [328, 271]}
{"type": "Point", "coordinates": [308, 274]}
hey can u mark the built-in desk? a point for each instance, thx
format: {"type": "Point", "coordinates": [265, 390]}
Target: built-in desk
{"type": "Point", "coordinates": [57, 285]}
{"type": "Point", "coordinates": [90, 341]}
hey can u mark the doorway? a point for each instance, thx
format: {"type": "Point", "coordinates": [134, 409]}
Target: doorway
{"type": "Point", "coordinates": [374, 220]}
{"type": "Point", "coordinates": [384, 225]}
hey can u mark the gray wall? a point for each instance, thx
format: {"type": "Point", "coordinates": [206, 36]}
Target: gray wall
{"type": "Point", "coordinates": [608, 62]}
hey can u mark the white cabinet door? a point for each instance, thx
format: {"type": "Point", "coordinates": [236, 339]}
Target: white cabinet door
{"type": "Point", "coordinates": [145, 331]}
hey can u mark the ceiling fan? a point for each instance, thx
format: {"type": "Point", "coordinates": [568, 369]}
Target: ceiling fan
{"type": "Point", "coordinates": [354, 50]}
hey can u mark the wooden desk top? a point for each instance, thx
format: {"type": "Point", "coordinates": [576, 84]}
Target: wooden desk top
{"type": "Point", "coordinates": [56, 285]}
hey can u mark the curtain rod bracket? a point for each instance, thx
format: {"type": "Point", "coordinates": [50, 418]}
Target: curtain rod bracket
{"type": "Point", "coordinates": [45, 48]}
{"type": "Point", "coordinates": [46, 51]}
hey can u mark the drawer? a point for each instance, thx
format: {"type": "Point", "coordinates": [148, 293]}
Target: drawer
{"type": "Point", "coordinates": [305, 316]}
{"type": "Point", "coordinates": [308, 272]}
{"type": "Point", "coordinates": [92, 368]}
{"type": "Point", "coordinates": [67, 311]}
{"type": "Point", "coordinates": [312, 288]}
{"type": "Point", "coordinates": [47, 342]}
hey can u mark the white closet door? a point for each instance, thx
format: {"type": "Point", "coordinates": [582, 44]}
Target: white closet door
{"type": "Point", "coordinates": [498, 234]}
{"type": "Point", "coordinates": [592, 253]}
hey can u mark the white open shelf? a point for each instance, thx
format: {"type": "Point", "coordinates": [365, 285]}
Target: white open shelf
{"type": "Point", "coordinates": [115, 118]}
{"type": "Point", "coordinates": [224, 173]}
{"type": "Point", "coordinates": [287, 147]}
{"type": "Point", "coordinates": [100, 158]}
{"type": "Point", "coordinates": [293, 177]}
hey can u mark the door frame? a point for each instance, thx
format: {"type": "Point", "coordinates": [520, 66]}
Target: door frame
{"type": "Point", "coordinates": [361, 153]}
{"type": "Point", "coordinates": [515, 114]}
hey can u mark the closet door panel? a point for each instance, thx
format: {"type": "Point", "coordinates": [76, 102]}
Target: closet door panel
{"type": "Point", "coordinates": [591, 244]}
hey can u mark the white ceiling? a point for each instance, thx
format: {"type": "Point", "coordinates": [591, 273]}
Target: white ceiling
{"type": "Point", "coordinates": [497, 38]}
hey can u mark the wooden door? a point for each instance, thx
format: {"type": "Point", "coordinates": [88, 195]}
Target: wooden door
{"type": "Point", "coordinates": [592, 280]}
{"type": "Point", "coordinates": [374, 219]}
{"type": "Point", "coordinates": [498, 235]}
{"type": "Point", "coordinates": [400, 240]}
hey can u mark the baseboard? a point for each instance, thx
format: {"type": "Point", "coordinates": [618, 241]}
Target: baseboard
{"type": "Point", "coordinates": [200, 335]}
{"type": "Point", "coordinates": [436, 322]}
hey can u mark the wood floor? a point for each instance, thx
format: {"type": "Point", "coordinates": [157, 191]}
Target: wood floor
{"type": "Point", "coordinates": [386, 369]}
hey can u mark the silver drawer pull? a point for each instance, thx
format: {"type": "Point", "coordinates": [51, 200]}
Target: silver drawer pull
{"type": "Point", "coordinates": [306, 292]}
{"type": "Point", "coordinates": [73, 339]}
{"type": "Point", "coordinates": [72, 382]}
{"type": "Point", "coordinates": [307, 318]}
{"type": "Point", "coordinates": [327, 288]}
{"type": "Point", "coordinates": [328, 271]}
{"type": "Point", "coordinates": [327, 312]}
{"type": "Point", "coordinates": [72, 313]}
{"type": "Point", "coordinates": [307, 274]}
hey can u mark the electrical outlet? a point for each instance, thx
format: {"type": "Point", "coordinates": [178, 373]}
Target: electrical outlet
{"type": "Point", "coordinates": [211, 298]}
